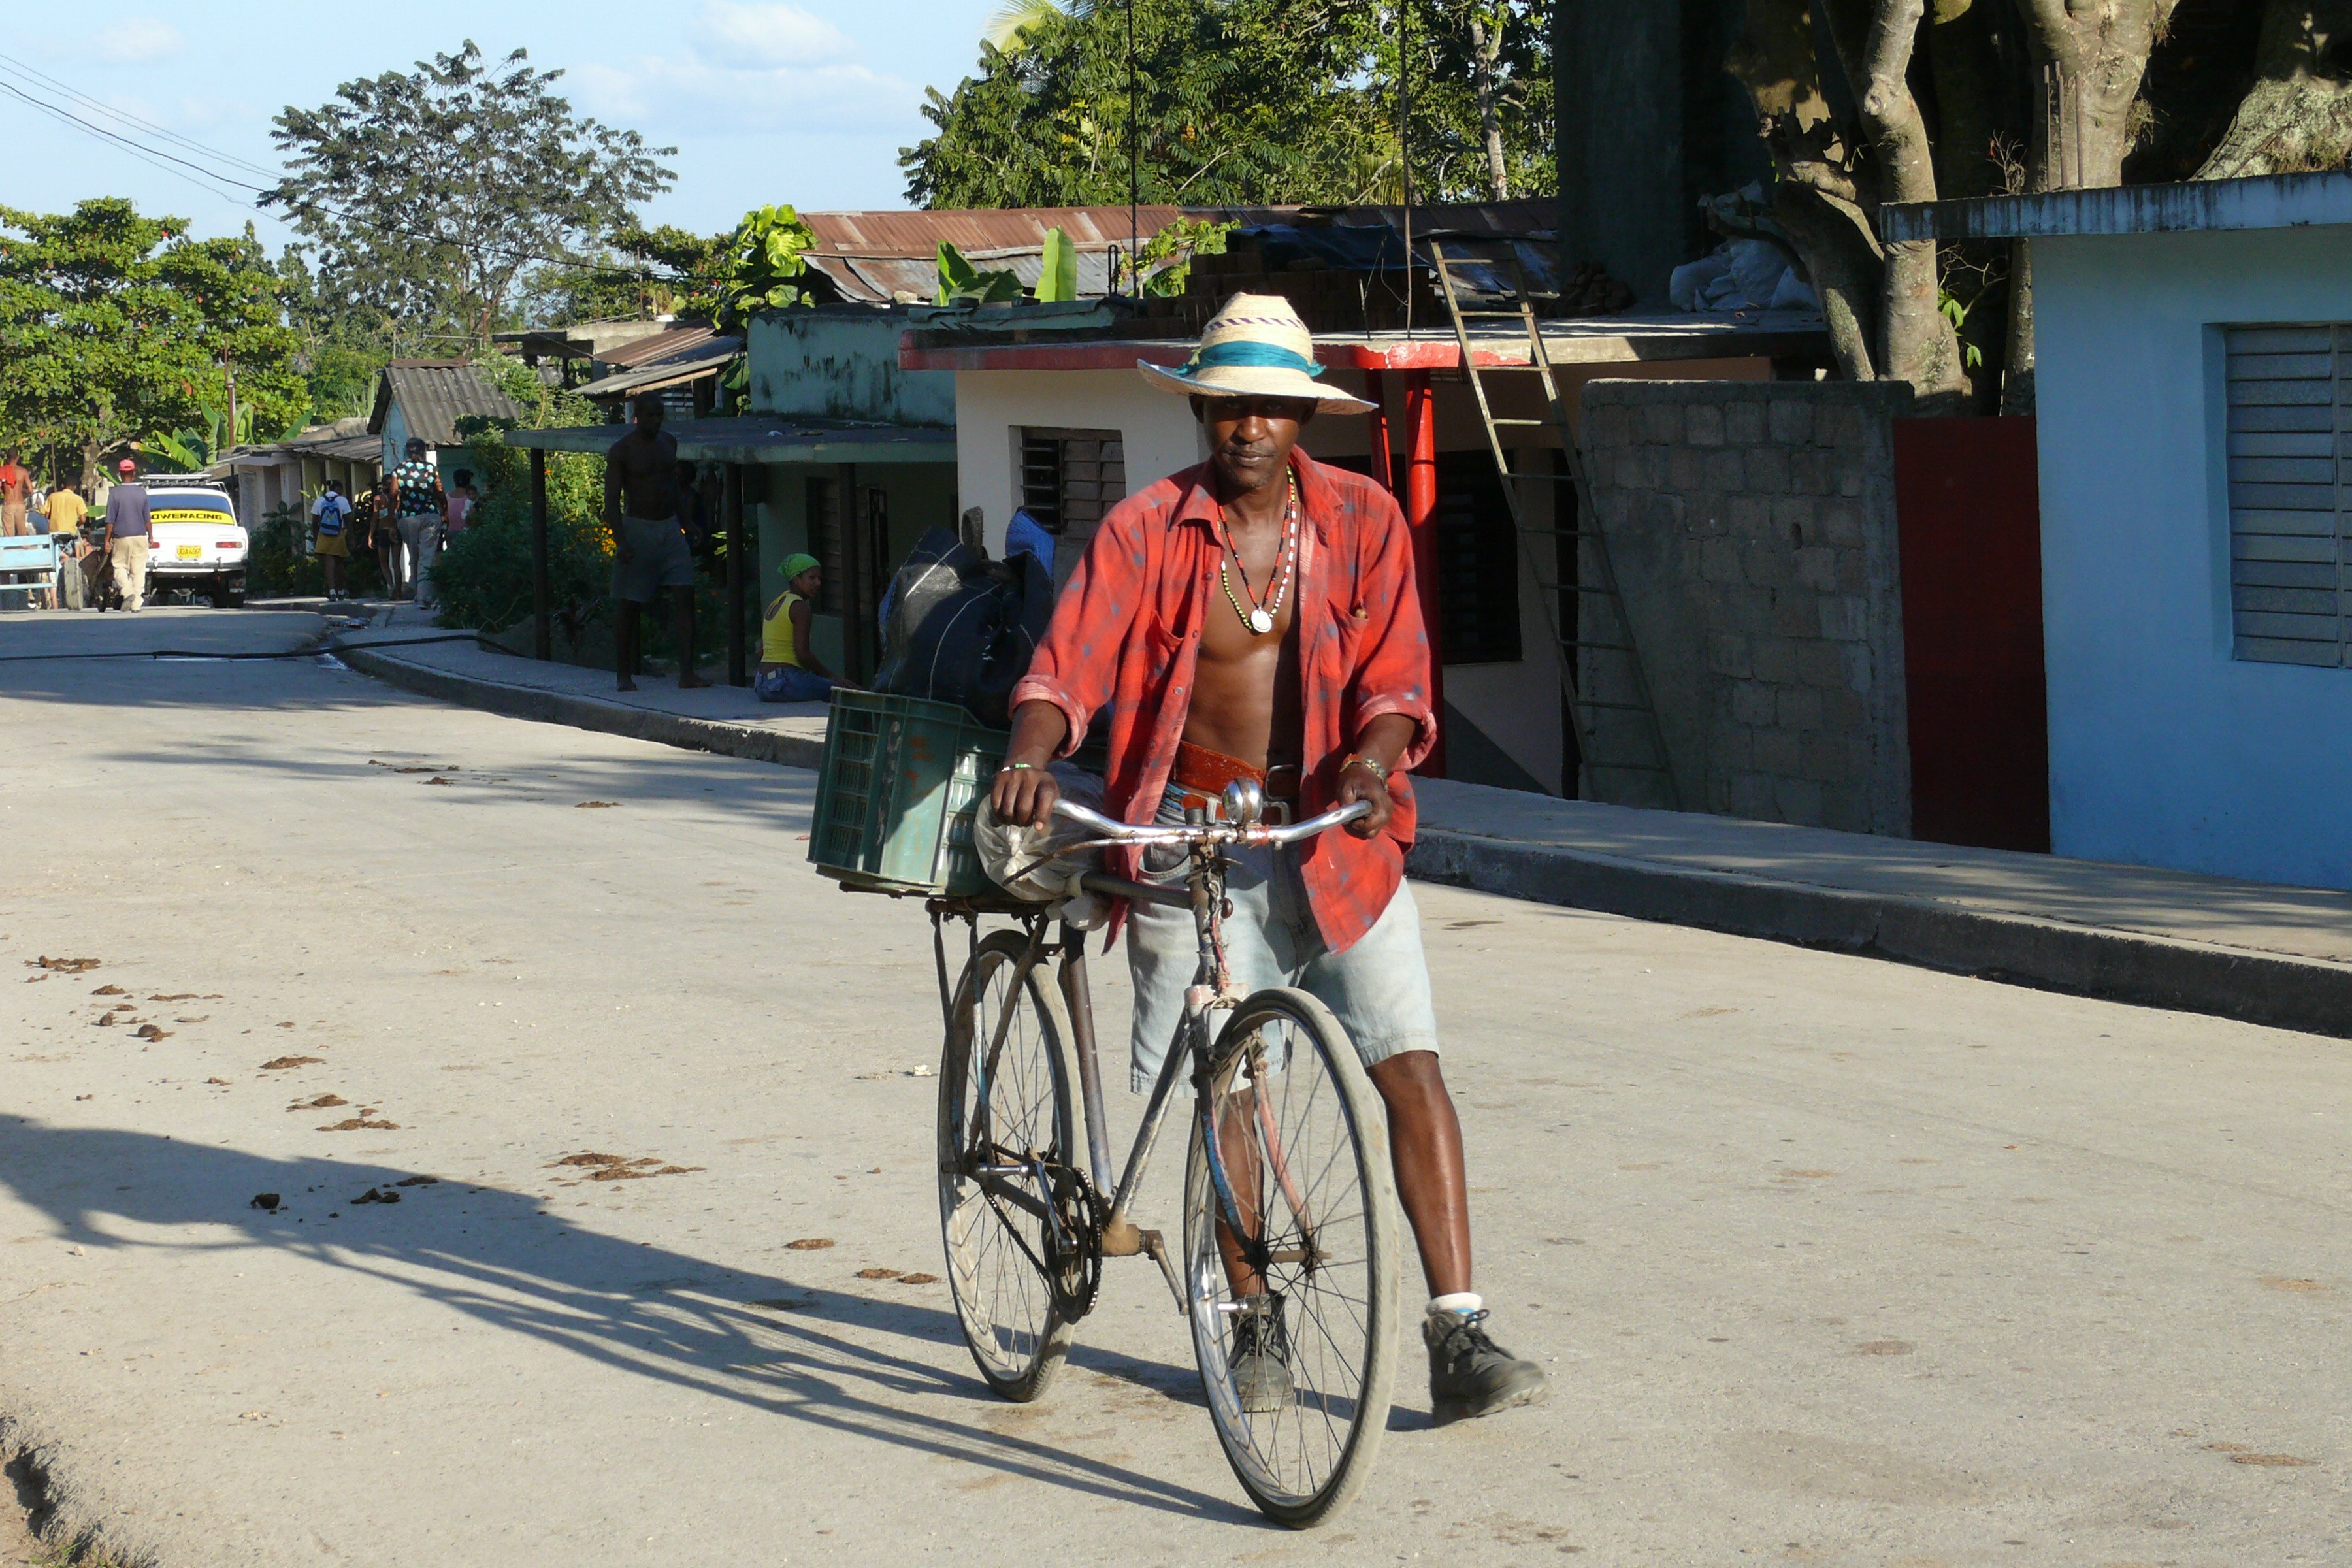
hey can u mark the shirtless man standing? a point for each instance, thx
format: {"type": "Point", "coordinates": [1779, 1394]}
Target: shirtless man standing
{"type": "Point", "coordinates": [649, 553]}
{"type": "Point", "coordinates": [1255, 617]}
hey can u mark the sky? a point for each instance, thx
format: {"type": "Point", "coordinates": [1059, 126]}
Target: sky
{"type": "Point", "coordinates": [766, 101]}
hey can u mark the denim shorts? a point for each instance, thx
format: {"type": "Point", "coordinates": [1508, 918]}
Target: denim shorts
{"type": "Point", "coordinates": [791, 683]}
{"type": "Point", "coordinates": [1379, 988]}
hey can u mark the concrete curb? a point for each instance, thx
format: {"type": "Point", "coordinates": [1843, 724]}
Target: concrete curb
{"type": "Point", "coordinates": [2306, 993]}
{"type": "Point", "coordinates": [586, 712]}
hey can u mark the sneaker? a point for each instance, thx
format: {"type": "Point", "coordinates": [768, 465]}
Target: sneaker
{"type": "Point", "coordinates": [1261, 1356]}
{"type": "Point", "coordinates": [1470, 1375]}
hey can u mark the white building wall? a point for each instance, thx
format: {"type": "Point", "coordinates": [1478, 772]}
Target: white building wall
{"type": "Point", "coordinates": [2164, 749]}
{"type": "Point", "coordinates": [1157, 429]}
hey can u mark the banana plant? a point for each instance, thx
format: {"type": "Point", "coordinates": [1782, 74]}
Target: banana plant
{"type": "Point", "coordinates": [1059, 280]}
{"type": "Point", "coordinates": [962, 283]}
{"type": "Point", "coordinates": [763, 254]}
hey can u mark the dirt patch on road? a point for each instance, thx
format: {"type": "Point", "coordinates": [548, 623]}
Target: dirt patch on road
{"type": "Point", "coordinates": [620, 1167]}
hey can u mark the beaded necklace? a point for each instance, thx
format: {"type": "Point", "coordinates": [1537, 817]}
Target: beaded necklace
{"type": "Point", "coordinates": [1259, 618]}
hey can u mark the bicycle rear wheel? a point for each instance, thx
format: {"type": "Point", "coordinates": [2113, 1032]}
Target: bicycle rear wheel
{"type": "Point", "coordinates": [1291, 1218]}
{"type": "Point", "coordinates": [1004, 1110]}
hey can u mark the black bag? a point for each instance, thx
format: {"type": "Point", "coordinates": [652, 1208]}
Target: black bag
{"type": "Point", "coordinates": [959, 627]}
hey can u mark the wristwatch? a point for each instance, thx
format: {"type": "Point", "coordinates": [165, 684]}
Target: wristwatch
{"type": "Point", "coordinates": [1358, 760]}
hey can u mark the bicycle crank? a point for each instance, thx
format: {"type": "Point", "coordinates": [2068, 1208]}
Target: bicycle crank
{"type": "Point", "coordinates": [1073, 1251]}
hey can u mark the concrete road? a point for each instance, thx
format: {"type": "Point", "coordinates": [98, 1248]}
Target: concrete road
{"type": "Point", "coordinates": [1834, 1261]}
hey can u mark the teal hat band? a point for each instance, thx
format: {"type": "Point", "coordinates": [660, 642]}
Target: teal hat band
{"type": "Point", "coordinates": [1256, 355]}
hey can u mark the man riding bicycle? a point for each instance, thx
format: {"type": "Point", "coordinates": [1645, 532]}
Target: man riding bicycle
{"type": "Point", "coordinates": [1255, 618]}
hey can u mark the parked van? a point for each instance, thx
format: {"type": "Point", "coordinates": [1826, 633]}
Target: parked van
{"type": "Point", "coordinates": [196, 542]}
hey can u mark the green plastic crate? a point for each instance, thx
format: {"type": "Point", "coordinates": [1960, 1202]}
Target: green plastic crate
{"type": "Point", "coordinates": [894, 801]}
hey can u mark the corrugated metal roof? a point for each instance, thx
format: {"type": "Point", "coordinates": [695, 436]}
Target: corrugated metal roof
{"type": "Point", "coordinates": [434, 395]}
{"type": "Point", "coordinates": [691, 365]}
{"type": "Point", "coordinates": [346, 440]}
{"type": "Point", "coordinates": [764, 439]}
{"type": "Point", "coordinates": [668, 343]}
{"type": "Point", "coordinates": [972, 231]}
{"type": "Point", "coordinates": [880, 279]}
{"type": "Point", "coordinates": [875, 257]}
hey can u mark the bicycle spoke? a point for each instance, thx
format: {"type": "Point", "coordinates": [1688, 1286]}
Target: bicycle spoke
{"type": "Point", "coordinates": [1004, 1110]}
{"type": "Point", "coordinates": [1314, 1198]}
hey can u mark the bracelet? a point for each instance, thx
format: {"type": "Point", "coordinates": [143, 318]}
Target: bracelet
{"type": "Point", "coordinates": [1358, 760]}
{"type": "Point", "coordinates": [1018, 768]}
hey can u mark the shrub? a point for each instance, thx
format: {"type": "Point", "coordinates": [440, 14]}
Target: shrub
{"type": "Point", "coordinates": [483, 579]}
{"type": "Point", "coordinates": [275, 562]}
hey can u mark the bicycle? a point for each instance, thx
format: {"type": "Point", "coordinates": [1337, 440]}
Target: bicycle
{"type": "Point", "coordinates": [1287, 1185]}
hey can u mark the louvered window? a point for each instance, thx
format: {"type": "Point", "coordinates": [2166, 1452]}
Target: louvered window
{"type": "Point", "coordinates": [1069, 479]}
{"type": "Point", "coordinates": [2289, 389]}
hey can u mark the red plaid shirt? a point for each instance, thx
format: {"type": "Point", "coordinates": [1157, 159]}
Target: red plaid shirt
{"type": "Point", "coordinates": [1127, 637]}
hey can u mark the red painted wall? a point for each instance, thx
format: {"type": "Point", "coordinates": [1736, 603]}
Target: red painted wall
{"type": "Point", "coordinates": [1968, 513]}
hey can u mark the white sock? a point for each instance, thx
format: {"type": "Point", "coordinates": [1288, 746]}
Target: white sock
{"type": "Point", "coordinates": [1463, 1302]}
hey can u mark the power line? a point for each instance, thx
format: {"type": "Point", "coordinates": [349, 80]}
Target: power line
{"type": "Point", "coordinates": [150, 154]}
{"type": "Point", "coordinates": [202, 178]}
{"type": "Point", "coordinates": [124, 116]}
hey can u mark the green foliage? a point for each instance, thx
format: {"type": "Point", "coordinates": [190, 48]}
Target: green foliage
{"type": "Point", "coordinates": [1240, 102]}
{"type": "Point", "coordinates": [761, 257]}
{"type": "Point", "coordinates": [276, 558]}
{"type": "Point", "coordinates": [484, 576]}
{"type": "Point", "coordinates": [1058, 279]}
{"type": "Point", "coordinates": [1972, 356]}
{"type": "Point", "coordinates": [541, 405]}
{"type": "Point", "coordinates": [116, 328]}
{"type": "Point", "coordinates": [641, 273]}
{"type": "Point", "coordinates": [426, 198]}
{"type": "Point", "coordinates": [962, 283]}
{"type": "Point", "coordinates": [1165, 262]}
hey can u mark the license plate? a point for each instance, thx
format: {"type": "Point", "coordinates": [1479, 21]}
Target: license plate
{"type": "Point", "coordinates": [190, 551]}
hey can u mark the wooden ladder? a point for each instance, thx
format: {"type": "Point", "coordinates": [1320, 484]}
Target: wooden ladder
{"type": "Point", "coordinates": [1635, 746]}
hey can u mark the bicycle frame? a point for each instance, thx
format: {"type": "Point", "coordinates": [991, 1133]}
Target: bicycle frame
{"type": "Point", "coordinates": [1190, 1052]}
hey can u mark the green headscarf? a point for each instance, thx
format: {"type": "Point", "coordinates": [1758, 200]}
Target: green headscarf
{"type": "Point", "coordinates": [795, 565]}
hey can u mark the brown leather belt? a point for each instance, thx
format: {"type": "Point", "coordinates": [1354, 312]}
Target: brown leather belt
{"type": "Point", "coordinates": [1200, 776]}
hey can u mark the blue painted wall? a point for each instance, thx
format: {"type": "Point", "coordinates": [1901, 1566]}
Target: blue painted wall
{"type": "Point", "coordinates": [2164, 750]}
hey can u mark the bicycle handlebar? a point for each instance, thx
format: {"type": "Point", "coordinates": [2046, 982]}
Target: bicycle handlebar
{"type": "Point", "coordinates": [1103, 826]}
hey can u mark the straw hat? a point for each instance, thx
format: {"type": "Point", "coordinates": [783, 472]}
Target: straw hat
{"type": "Point", "coordinates": [1255, 346]}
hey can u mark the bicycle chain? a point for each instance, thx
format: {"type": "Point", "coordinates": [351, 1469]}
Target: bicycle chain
{"type": "Point", "coordinates": [1076, 1276]}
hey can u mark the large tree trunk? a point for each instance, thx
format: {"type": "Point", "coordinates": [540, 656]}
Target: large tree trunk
{"type": "Point", "coordinates": [2093, 55]}
{"type": "Point", "coordinates": [1816, 197]}
{"type": "Point", "coordinates": [2298, 118]}
{"type": "Point", "coordinates": [1920, 345]}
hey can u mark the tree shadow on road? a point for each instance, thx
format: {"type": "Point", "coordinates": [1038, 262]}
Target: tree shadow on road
{"type": "Point", "coordinates": [501, 1257]}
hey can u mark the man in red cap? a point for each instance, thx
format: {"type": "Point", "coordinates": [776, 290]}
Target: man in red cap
{"type": "Point", "coordinates": [125, 544]}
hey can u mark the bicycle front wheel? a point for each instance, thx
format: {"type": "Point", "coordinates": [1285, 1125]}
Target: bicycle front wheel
{"type": "Point", "coordinates": [1290, 1243]}
{"type": "Point", "coordinates": [1005, 1124]}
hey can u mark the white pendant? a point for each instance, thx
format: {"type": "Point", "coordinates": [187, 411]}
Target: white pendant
{"type": "Point", "coordinates": [1260, 622]}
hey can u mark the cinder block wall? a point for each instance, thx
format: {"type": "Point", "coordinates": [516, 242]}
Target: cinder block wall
{"type": "Point", "coordinates": [1752, 528]}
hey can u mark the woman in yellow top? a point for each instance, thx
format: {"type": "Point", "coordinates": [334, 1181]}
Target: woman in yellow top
{"type": "Point", "coordinates": [789, 670]}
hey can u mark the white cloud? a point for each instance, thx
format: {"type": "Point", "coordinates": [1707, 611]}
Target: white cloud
{"type": "Point", "coordinates": [140, 40]}
{"type": "Point", "coordinates": [750, 67]}
{"type": "Point", "coordinates": [736, 37]}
